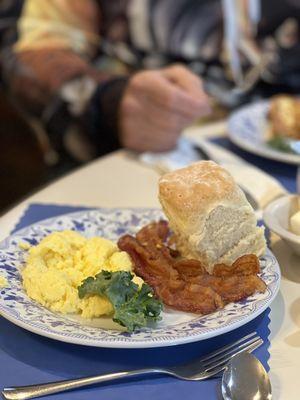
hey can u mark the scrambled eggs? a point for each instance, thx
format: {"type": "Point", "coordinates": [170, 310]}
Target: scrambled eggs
{"type": "Point", "coordinates": [59, 264]}
{"type": "Point", "coordinates": [3, 282]}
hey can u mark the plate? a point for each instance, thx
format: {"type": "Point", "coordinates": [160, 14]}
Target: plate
{"type": "Point", "coordinates": [175, 328]}
{"type": "Point", "coordinates": [247, 127]}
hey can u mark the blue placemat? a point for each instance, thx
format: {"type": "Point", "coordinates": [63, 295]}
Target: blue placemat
{"type": "Point", "coordinates": [26, 358]}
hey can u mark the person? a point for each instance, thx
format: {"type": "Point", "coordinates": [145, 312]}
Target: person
{"type": "Point", "coordinates": [103, 74]}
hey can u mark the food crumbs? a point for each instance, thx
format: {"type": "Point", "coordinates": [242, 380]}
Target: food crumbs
{"type": "Point", "coordinates": [24, 246]}
{"type": "Point", "coordinates": [3, 282]}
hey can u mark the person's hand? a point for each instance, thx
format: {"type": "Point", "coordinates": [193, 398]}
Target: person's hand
{"type": "Point", "coordinates": [157, 105]}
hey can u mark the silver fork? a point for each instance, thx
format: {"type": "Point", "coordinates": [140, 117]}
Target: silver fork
{"type": "Point", "coordinates": [197, 370]}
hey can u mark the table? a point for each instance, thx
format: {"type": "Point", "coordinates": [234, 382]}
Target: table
{"type": "Point", "coordinates": [119, 180]}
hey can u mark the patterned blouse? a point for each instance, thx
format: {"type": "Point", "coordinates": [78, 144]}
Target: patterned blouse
{"type": "Point", "coordinates": [69, 62]}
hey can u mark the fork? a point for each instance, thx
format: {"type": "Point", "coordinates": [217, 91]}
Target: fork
{"type": "Point", "coordinates": [197, 370]}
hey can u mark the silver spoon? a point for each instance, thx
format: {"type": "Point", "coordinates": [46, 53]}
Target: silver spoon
{"type": "Point", "coordinates": [246, 379]}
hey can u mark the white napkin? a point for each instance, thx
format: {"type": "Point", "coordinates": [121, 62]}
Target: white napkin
{"type": "Point", "coordinates": [261, 186]}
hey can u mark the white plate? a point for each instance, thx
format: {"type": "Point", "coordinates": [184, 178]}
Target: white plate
{"type": "Point", "coordinates": [247, 129]}
{"type": "Point", "coordinates": [175, 328]}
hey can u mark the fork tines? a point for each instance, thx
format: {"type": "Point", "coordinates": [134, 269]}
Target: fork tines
{"type": "Point", "coordinates": [223, 355]}
{"type": "Point", "coordinates": [247, 339]}
{"type": "Point", "coordinates": [215, 362]}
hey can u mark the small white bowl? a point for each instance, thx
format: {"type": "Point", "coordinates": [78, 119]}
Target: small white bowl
{"type": "Point", "coordinates": [277, 218]}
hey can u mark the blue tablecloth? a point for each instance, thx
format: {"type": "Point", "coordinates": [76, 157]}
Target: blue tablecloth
{"type": "Point", "coordinates": [26, 358]}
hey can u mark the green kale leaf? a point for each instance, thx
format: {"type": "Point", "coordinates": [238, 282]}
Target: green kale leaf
{"type": "Point", "coordinates": [282, 144]}
{"type": "Point", "coordinates": [134, 307]}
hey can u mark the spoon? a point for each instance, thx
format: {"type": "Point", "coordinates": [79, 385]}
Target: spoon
{"type": "Point", "coordinates": [246, 379]}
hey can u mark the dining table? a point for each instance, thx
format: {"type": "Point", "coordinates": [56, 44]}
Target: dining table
{"type": "Point", "coordinates": [120, 179]}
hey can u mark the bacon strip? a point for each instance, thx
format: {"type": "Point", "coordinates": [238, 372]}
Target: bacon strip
{"type": "Point", "coordinates": [184, 284]}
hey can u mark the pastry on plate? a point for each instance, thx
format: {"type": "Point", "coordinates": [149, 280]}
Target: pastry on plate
{"type": "Point", "coordinates": [209, 215]}
{"type": "Point", "coordinates": [284, 117]}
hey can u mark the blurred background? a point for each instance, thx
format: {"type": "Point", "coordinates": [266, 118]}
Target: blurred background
{"type": "Point", "coordinates": [23, 167]}
{"type": "Point", "coordinates": [65, 65]}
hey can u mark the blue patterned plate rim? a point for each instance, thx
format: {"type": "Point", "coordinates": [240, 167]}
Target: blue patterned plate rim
{"type": "Point", "coordinates": [175, 328]}
{"type": "Point", "coordinates": [246, 128]}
